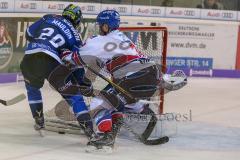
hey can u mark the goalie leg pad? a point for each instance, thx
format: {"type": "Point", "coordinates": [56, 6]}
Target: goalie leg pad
{"type": "Point", "coordinates": [152, 123]}
{"type": "Point", "coordinates": [110, 96]}
{"type": "Point", "coordinates": [116, 116]}
{"type": "Point", "coordinates": [64, 112]}
{"type": "Point", "coordinates": [142, 84]}
{"type": "Point", "coordinates": [103, 119]}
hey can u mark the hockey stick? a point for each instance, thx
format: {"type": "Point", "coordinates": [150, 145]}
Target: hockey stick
{"type": "Point", "coordinates": [67, 127]}
{"type": "Point", "coordinates": [144, 137]}
{"type": "Point", "coordinates": [158, 141]}
{"type": "Point", "coordinates": [120, 89]}
{"type": "Point", "coordinates": [13, 100]}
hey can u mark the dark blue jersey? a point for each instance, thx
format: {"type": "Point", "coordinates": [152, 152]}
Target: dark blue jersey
{"type": "Point", "coordinates": [50, 35]}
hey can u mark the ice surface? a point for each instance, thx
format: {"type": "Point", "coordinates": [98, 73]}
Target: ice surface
{"type": "Point", "coordinates": [213, 133]}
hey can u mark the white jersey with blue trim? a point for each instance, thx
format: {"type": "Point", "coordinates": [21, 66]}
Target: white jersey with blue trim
{"type": "Point", "coordinates": [50, 35]}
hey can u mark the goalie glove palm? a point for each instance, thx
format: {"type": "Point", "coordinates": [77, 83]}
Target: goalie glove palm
{"type": "Point", "coordinates": [175, 81]}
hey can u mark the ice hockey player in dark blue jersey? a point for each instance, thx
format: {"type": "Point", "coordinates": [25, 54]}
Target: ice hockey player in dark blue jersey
{"type": "Point", "coordinates": [49, 39]}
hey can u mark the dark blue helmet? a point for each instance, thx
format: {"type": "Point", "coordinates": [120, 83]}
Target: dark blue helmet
{"type": "Point", "coordinates": [109, 17]}
{"type": "Point", "coordinates": [73, 13]}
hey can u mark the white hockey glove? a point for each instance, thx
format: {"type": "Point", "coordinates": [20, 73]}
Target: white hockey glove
{"type": "Point", "coordinates": [174, 81]}
{"type": "Point", "coordinates": [70, 58]}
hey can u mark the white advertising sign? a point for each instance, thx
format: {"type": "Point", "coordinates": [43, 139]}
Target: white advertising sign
{"type": "Point", "coordinates": [219, 14]}
{"type": "Point", "coordinates": [201, 40]}
{"type": "Point", "coordinates": [183, 12]}
{"type": "Point", "coordinates": [28, 6]}
{"type": "Point", "coordinates": [122, 9]}
{"type": "Point", "coordinates": [238, 16]}
{"type": "Point", "coordinates": [90, 8]}
{"type": "Point", "coordinates": [6, 6]}
{"type": "Point", "coordinates": [57, 7]}
{"type": "Point", "coordinates": [148, 11]}
{"type": "Point", "coordinates": [53, 6]}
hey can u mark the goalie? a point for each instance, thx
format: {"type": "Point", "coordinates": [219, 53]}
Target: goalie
{"type": "Point", "coordinates": [130, 70]}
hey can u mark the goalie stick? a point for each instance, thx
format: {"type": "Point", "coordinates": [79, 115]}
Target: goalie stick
{"type": "Point", "coordinates": [13, 100]}
{"type": "Point", "coordinates": [151, 125]}
{"type": "Point", "coordinates": [68, 126]}
{"type": "Point", "coordinates": [144, 140]}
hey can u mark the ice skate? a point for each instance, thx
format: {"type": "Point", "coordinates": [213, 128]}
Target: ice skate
{"type": "Point", "coordinates": [104, 143]}
{"type": "Point", "coordinates": [39, 126]}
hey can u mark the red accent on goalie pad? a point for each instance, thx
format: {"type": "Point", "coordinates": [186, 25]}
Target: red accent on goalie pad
{"type": "Point", "coordinates": [116, 116]}
{"type": "Point", "coordinates": [119, 61]}
{"type": "Point", "coordinates": [105, 125]}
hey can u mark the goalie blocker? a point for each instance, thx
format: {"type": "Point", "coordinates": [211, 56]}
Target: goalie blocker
{"type": "Point", "coordinates": [142, 79]}
{"type": "Point", "coordinates": [139, 78]}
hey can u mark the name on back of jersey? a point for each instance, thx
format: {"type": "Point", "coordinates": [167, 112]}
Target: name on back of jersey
{"type": "Point", "coordinates": [66, 29]}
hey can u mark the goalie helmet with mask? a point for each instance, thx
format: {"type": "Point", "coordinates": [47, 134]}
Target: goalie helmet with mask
{"type": "Point", "coordinates": [108, 20]}
{"type": "Point", "coordinates": [73, 14]}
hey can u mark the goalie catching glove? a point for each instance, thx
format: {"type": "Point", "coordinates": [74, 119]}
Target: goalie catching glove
{"type": "Point", "coordinates": [174, 81]}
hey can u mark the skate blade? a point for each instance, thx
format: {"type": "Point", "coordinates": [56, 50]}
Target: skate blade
{"type": "Point", "coordinates": [103, 150]}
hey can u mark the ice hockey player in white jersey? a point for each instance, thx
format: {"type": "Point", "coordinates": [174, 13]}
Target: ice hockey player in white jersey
{"type": "Point", "coordinates": [130, 69]}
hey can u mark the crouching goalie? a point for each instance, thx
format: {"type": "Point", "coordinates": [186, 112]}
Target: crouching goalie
{"type": "Point", "coordinates": [132, 71]}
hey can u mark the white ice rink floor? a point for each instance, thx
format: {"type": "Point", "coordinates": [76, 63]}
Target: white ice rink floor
{"type": "Point", "coordinates": [213, 133]}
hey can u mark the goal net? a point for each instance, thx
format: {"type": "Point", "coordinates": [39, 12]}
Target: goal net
{"type": "Point", "coordinates": [150, 41]}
